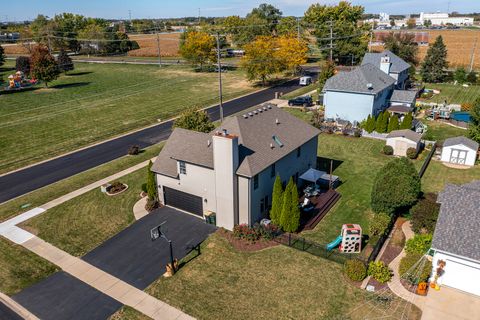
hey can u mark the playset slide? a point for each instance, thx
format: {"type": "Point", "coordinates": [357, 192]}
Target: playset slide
{"type": "Point", "coordinates": [334, 243]}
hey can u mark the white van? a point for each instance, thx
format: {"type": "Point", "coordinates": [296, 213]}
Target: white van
{"type": "Point", "coordinates": [305, 81]}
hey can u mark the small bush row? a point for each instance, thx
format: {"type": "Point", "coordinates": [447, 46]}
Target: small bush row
{"type": "Point", "coordinates": [255, 233]}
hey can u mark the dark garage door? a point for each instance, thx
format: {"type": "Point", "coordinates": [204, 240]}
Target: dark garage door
{"type": "Point", "coordinates": [184, 201]}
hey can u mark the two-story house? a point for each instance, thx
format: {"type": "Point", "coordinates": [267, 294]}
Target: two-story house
{"type": "Point", "coordinates": [391, 64]}
{"type": "Point", "coordinates": [231, 170]}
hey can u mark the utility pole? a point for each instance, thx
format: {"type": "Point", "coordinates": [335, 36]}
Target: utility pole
{"type": "Point", "coordinates": [298, 28]}
{"type": "Point", "coordinates": [219, 66]}
{"type": "Point", "coordinates": [130, 16]}
{"type": "Point", "coordinates": [371, 39]}
{"type": "Point", "coordinates": [199, 19]}
{"type": "Point", "coordinates": [330, 24]}
{"type": "Point", "coordinates": [472, 59]}
{"type": "Point", "coordinates": [158, 46]}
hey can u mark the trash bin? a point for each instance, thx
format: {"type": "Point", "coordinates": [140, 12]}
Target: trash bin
{"type": "Point", "coordinates": [210, 217]}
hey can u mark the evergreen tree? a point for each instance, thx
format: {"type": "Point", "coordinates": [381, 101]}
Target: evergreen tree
{"type": "Point", "coordinates": [407, 121]}
{"type": "Point", "coordinates": [370, 124]}
{"type": "Point", "coordinates": [327, 72]}
{"type": "Point", "coordinates": [64, 62]}
{"type": "Point", "coordinates": [472, 77]}
{"type": "Point", "coordinates": [151, 185]}
{"type": "Point", "coordinates": [474, 127]}
{"type": "Point", "coordinates": [286, 206]}
{"type": "Point", "coordinates": [295, 210]}
{"type": "Point", "coordinates": [277, 201]}
{"type": "Point", "coordinates": [460, 75]}
{"type": "Point", "coordinates": [378, 122]}
{"type": "Point", "coordinates": [2, 56]}
{"type": "Point", "coordinates": [393, 124]}
{"type": "Point", "coordinates": [382, 122]}
{"type": "Point", "coordinates": [435, 62]}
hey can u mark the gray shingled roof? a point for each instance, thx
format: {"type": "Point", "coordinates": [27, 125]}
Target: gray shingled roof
{"type": "Point", "coordinates": [458, 223]}
{"type": "Point", "coordinates": [461, 140]}
{"type": "Point", "coordinates": [255, 137]}
{"type": "Point", "coordinates": [398, 64]}
{"type": "Point", "coordinates": [400, 109]}
{"type": "Point", "coordinates": [359, 80]}
{"type": "Point", "coordinates": [405, 133]}
{"type": "Point", "coordinates": [407, 96]}
{"type": "Point", "coordinates": [184, 145]}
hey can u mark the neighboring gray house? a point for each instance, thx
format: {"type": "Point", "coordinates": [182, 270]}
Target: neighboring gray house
{"type": "Point", "coordinates": [391, 64]}
{"type": "Point", "coordinates": [356, 94]}
{"type": "Point", "coordinates": [231, 170]}
{"type": "Point", "coordinates": [455, 240]}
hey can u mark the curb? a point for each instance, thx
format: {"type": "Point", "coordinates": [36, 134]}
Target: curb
{"type": "Point", "coordinates": [17, 308]}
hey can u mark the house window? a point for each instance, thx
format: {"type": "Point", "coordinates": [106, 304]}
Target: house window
{"type": "Point", "coordinates": [299, 152]}
{"type": "Point", "coordinates": [262, 205]}
{"type": "Point", "coordinates": [296, 178]}
{"type": "Point", "coordinates": [267, 206]}
{"type": "Point", "coordinates": [255, 182]}
{"type": "Point", "coordinates": [183, 168]}
{"type": "Point", "coordinates": [272, 170]}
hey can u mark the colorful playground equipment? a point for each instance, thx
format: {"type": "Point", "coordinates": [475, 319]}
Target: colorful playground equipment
{"type": "Point", "coordinates": [19, 81]}
{"type": "Point", "coordinates": [350, 239]}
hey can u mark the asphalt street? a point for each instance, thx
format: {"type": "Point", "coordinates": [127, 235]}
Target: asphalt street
{"type": "Point", "coordinates": [130, 256]}
{"type": "Point", "coordinates": [7, 314]}
{"type": "Point", "coordinates": [26, 180]}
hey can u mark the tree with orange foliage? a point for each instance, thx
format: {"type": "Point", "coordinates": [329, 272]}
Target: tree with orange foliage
{"type": "Point", "coordinates": [259, 60]}
{"type": "Point", "coordinates": [43, 65]}
{"type": "Point", "coordinates": [198, 48]}
{"type": "Point", "coordinates": [291, 52]}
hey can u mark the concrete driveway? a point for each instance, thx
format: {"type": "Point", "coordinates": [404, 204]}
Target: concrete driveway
{"type": "Point", "coordinates": [130, 256]}
{"type": "Point", "coordinates": [450, 304]}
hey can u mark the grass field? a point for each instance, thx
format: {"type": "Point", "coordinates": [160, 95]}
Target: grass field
{"type": "Point", "coordinates": [456, 94]}
{"type": "Point", "coordinates": [274, 283]}
{"type": "Point", "coordinates": [20, 268]}
{"type": "Point", "coordinates": [99, 101]}
{"type": "Point", "coordinates": [439, 131]}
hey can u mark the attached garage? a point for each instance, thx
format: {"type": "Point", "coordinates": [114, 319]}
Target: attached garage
{"type": "Point", "coordinates": [460, 276]}
{"type": "Point", "coordinates": [183, 201]}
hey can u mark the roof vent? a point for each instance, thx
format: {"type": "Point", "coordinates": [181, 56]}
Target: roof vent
{"type": "Point", "coordinates": [224, 132]}
{"type": "Point", "coordinates": [277, 141]}
{"type": "Point", "coordinates": [209, 143]}
{"type": "Point", "coordinates": [369, 86]}
{"type": "Point", "coordinates": [272, 146]}
{"type": "Point", "coordinates": [269, 106]}
{"type": "Point", "coordinates": [277, 121]}
{"type": "Point", "coordinates": [260, 110]}
{"type": "Point", "coordinates": [255, 111]}
{"type": "Point", "coordinates": [250, 114]}
{"type": "Point", "coordinates": [245, 116]}
{"type": "Point", "coordinates": [265, 109]}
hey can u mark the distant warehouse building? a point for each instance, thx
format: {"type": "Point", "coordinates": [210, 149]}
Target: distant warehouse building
{"type": "Point", "coordinates": [440, 18]}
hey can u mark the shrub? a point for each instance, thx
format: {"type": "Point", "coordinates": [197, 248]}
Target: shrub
{"type": "Point", "coordinates": [379, 271]}
{"type": "Point", "coordinates": [387, 150]}
{"type": "Point", "coordinates": [379, 224]}
{"type": "Point", "coordinates": [151, 204]}
{"type": "Point", "coordinates": [23, 64]}
{"type": "Point", "coordinates": [266, 232]}
{"type": "Point", "coordinates": [116, 187]}
{"type": "Point", "coordinates": [134, 150]}
{"type": "Point", "coordinates": [411, 153]}
{"type": "Point", "coordinates": [243, 231]}
{"type": "Point", "coordinates": [357, 133]}
{"type": "Point", "coordinates": [355, 269]}
{"type": "Point", "coordinates": [144, 187]}
{"type": "Point", "coordinates": [414, 276]}
{"type": "Point", "coordinates": [425, 213]}
{"type": "Point", "coordinates": [397, 185]}
{"type": "Point", "coordinates": [420, 243]}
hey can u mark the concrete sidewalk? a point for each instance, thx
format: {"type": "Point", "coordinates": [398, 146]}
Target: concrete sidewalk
{"type": "Point", "coordinates": [104, 282]}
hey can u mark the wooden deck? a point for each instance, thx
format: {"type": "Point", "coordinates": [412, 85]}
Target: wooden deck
{"type": "Point", "coordinates": [323, 203]}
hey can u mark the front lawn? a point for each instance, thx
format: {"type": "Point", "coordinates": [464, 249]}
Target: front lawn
{"type": "Point", "coordinates": [99, 101]}
{"type": "Point", "coordinates": [82, 223]}
{"type": "Point", "coordinates": [20, 268]}
{"type": "Point", "coordinates": [274, 283]}
{"type": "Point", "coordinates": [456, 94]}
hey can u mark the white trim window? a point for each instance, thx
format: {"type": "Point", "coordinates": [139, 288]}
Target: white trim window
{"type": "Point", "coordinates": [182, 167]}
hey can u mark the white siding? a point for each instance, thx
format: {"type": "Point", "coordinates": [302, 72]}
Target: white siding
{"type": "Point", "coordinates": [400, 145]}
{"type": "Point", "coordinates": [198, 181]}
{"type": "Point", "coordinates": [460, 273]}
{"type": "Point", "coordinates": [471, 154]}
{"type": "Point", "coordinates": [243, 200]}
{"type": "Point", "coordinates": [347, 106]}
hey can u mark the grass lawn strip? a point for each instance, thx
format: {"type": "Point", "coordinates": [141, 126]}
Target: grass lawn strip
{"type": "Point", "coordinates": [99, 101]}
{"type": "Point", "coordinates": [456, 94]}
{"type": "Point", "coordinates": [438, 131]}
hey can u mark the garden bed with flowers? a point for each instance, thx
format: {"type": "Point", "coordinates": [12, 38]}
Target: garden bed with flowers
{"type": "Point", "coordinates": [245, 238]}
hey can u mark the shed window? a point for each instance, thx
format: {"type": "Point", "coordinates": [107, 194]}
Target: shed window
{"type": "Point", "coordinates": [183, 168]}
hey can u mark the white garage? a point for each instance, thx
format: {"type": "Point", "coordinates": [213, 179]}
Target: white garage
{"type": "Point", "coordinates": [460, 150]}
{"type": "Point", "coordinates": [455, 240]}
{"type": "Point", "coordinates": [402, 140]}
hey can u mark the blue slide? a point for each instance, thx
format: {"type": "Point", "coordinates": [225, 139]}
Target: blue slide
{"type": "Point", "coordinates": [334, 243]}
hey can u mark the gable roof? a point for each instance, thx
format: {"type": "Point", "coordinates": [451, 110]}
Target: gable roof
{"type": "Point", "coordinates": [359, 80]}
{"type": "Point", "coordinates": [458, 222]}
{"type": "Point", "coordinates": [407, 96]}
{"type": "Point", "coordinates": [405, 133]}
{"type": "Point", "coordinates": [255, 137]}
{"type": "Point", "coordinates": [397, 64]}
{"type": "Point", "coordinates": [184, 145]}
{"type": "Point", "coordinates": [255, 133]}
{"type": "Point", "coordinates": [461, 140]}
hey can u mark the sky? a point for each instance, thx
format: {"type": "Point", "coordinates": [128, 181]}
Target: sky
{"type": "Point", "coordinates": [119, 9]}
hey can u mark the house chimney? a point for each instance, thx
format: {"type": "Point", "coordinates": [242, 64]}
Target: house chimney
{"type": "Point", "coordinates": [225, 164]}
{"type": "Point", "coordinates": [385, 64]}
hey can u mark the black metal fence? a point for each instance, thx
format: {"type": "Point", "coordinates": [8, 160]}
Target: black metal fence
{"type": "Point", "coordinates": [317, 249]}
{"type": "Point", "coordinates": [381, 241]}
{"type": "Point", "coordinates": [427, 160]}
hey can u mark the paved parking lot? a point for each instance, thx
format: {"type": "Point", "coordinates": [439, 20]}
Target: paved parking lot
{"type": "Point", "coordinates": [130, 256]}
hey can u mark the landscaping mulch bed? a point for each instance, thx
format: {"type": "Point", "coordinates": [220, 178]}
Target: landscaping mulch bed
{"type": "Point", "coordinates": [378, 286]}
{"type": "Point", "coordinates": [246, 246]}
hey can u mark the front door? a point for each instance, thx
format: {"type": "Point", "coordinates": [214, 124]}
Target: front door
{"type": "Point", "coordinates": [458, 156]}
